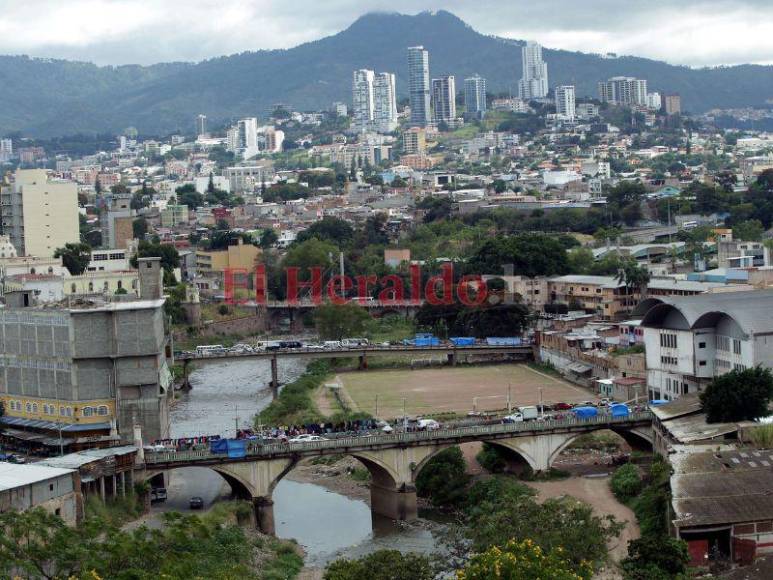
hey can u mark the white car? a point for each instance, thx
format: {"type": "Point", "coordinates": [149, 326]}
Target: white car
{"type": "Point", "coordinates": [514, 418]}
{"type": "Point", "coordinates": [306, 438]}
{"type": "Point", "coordinates": [428, 424]}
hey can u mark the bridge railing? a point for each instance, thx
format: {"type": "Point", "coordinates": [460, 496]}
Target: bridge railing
{"type": "Point", "coordinates": [258, 449]}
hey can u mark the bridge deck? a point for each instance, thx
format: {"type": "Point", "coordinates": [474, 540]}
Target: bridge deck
{"type": "Point", "coordinates": [257, 451]}
{"type": "Point", "coordinates": [524, 349]}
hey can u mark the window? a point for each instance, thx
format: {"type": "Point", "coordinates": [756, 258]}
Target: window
{"type": "Point", "coordinates": [106, 286]}
{"type": "Point", "coordinates": [102, 410]}
{"type": "Point", "coordinates": [87, 411]}
{"type": "Point", "coordinates": [120, 284]}
{"type": "Point", "coordinates": [29, 407]}
{"type": "Point", "coordinates": [72, 288]}
{"type": "Point", "coordinates": [736, 346]}
{"type": "Point", "coordinates": [668, 340]}
{"type": "Point", "coordinates": [91, 286]}
{"type": "Point", "coordinates": [701, 345]}
{"type": "Point", "coordinates": [50, 487]}
{"type": "Point", "coordinates": [723, 343]}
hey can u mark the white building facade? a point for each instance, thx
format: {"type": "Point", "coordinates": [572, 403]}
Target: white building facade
{"type": "Point", "coordinates": [565, 101]}
{"type": "Point", "coordinates": [534, 82]}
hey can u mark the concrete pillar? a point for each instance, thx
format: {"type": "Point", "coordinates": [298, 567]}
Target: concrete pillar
{"type": "Point", "coordinates": [186, 384]}
{"type": "Point", "coordinates": [274, 377]}
{"type": "Point", "coordinates": [122, 476]}
{"type": "Point", "coordinates": [263, 508]}
{"type": "Point", "coordinates": [363, 362]}
{"type": "Point", "coordinates": [396, 503]}
{"type": "Point", "coordinates": [102, 488]}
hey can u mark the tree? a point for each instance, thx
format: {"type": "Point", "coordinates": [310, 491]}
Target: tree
{"type": "Point", "coordinates": [625, 200]}
{"type": "Point", "coordinates": [139, 227]}
{"type": "Point", "coordinates": [435, 208]}
{"type": "Point", "coordinates": [75, 257]}
{"type": "Point", "coordinates": [382, 565]}
{"type": "Point", "coordinates": [335, 322]}
{"type": "Point", "coordinates": [523, 560]}
{"type": "Point", "coordinates": [444, 478]}
{"type": "Point", "coordinates": [332, 229]}
{"type": "Point", "coordinates": [170, 258]}
{"type": "Point", "coordinates": [634, 277]}
{"type": "Point", "coordinates": [656, 558]}
{"type": "Point", "coordinates": [738, 395]}
{"type": "Point", "coordinates": [268, 238]}
{"type": "Point", "coordinates": [530, 255]}
{"type": "Point", "coordinates": [187, 195]}
{"type": "Point", "coordinates": [748, 231]}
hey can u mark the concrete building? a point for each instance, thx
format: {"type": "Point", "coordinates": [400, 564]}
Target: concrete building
{"type": "Point", "coordinates": [654, 101]}
{"type": "Point", "coordinates": [362, 100]}
{"type": "Point", "coordinates": [88, 370]}
{"type": "Point", "coordinates": [56, 490]}
{"type": "Point", "coordinates": [534, 82]}
{"type": "Point", "coordinates": [173, 215]}
{"type": "Point", "coordinates": [39, 214]}
{"type": "Point", "coordinates": [475, 97]}
{"type": "Point", "coordinates": [564, 99]}
{"type": "Point", "coordinates": [624, 91]}
{"type": "Point", "coordinates": [201, 126]}
{"type": "Point", "coordinates": [415, 141]}
{"type": "Point", "coordinates": [444, 100]}
{"type": "Point", "coordinates": [605, 296]}
{"type": "Point", "coordinates": [240, 256]}
{"type": "Point", "coordinates": [384, 103]}
{"type": "Point", "coordinates": [108, 261]}
{"type": "Point", "coordinates": [242, 138]}
{"type": "Point", "coordinates": [116, 217]}
{"type": "Point", "coordinates": [249, 178]}
{"type": "Point", "coordinates": [418, 86]}
{"type": "Point", "coordinates": [672, 104]}
{"type": "Point", "coordinates": [690, 340]}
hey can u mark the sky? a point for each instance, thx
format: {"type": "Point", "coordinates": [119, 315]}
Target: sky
{"type": "Point", "coordinates": [690, 32]}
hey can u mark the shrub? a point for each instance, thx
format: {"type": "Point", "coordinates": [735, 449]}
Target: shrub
{"type": "Point", "coordinates": [491, 458]}
{"type": "Point", "coordinates": [444, 478]}
{"type": "Point", "coordinates": [626, 482]}
{"type": "Point", "coordinates": [652, 558]}
{"type": "Point", "coordinates": [382, 565]}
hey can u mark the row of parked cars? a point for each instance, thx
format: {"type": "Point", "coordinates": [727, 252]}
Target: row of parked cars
{"type": "Point", "coordinates": [271, 345]}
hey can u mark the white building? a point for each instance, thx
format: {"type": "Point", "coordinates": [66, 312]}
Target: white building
{"type": "Point", "coordinates": [362, 100]}
{"type": "Point", "coordinates": [534, 83]}
{"type": "Point", "coordinates": [691, 340]}
{"type": "Point", "coordinates": [654, 102]}
{"type": "Point", "coordinates": [564, 97]}
{"type": "Point", "coordinates": [475, 96]}
{"type": "Point", "coordinates": [242, 138]}
{"type": "Point", "coordinates": [624, 91]}
{"type": "Point", "coordinates": [444, 99]}
{"type": "Point", "coordinates": [53, 489]}
{"type": "Point", "coordinates": [6, 149]}
{"type": "Point", "coordinates": [201, 126]}
{"type": "Point", "coordinates": [384, 102]}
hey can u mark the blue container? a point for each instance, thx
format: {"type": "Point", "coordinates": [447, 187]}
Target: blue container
{"type": "Point", "coordinates": [585, 412]}
{"type": "Point", "coordinates": [503, 340]}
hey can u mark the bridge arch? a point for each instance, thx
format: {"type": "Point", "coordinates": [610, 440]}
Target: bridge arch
{"type": "Point", "coordinates": [636, 439]}
{"type": "Point", "coordinates": [513, 446]}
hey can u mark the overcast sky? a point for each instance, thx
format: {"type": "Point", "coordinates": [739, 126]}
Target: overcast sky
{"type": "Point", "coordinates": [692, 32]}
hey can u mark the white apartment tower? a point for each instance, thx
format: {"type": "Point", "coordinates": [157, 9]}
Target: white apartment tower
{"type": "Point", "coordinates": [362, 100]}
{"type": "Point", "coordinates": [201, 125]}
{"type": "Point", "coordinates": [418, 86]}
{"type": "Point", "coordinates": [39, 214]}
{"type": "Point", "coordinates": [624, 91]}
{"type": "Point", "coordinates": [444, 99]}
{"type": "Point", "coordinates": [384, 102]}
{"type": "Point", "coordinates": [534, 83]}
{"type": "Point", "coordinates": [475, 96]}
{"type": "Point", "coordinates": [242, 138]}
{"type": "Point", "coordinates": [564, 97]}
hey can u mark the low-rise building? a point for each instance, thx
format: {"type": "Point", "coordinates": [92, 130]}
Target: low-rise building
{"type": "Point", "coordinates": [606, 296]}
{"type": "Point", "coordinates": [56, 490]}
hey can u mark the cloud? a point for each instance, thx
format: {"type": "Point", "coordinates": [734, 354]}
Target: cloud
{"type": "Point", "coordinates": [692, 32]}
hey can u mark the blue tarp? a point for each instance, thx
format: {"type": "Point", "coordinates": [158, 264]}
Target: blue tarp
{"type": "Point", "coordinates": [656, 402]}
{"type": "Point", "coordinates": [462, 340]}
{"type": "Point", "coordinates": [219, 446]}
{"type": "Point", "coordinates": [237, 448]}
{"type": "Point", "coordinates": [619, 410]}
{"type": "Point", "coordinates": [585, 412]}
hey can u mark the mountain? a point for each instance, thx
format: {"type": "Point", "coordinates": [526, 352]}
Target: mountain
{"type": "Point", "coordinates": [45, 97]}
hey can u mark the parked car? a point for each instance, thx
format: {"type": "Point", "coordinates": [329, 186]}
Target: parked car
{"type": "Point", "coordinates": [562, 407]}
{"type": "Point", "coordinates": [605, 402]}
{"type": "Point", "coordinates": [514, 418]}
{"type": "Point", "coordinates": [196, 503]}
{"type": "Point", "coordinates": [428, 424]}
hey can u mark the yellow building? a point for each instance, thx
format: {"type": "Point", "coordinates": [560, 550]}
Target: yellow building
{"type": "Point", "coordinates": [604, 296]}
{"type": "Point", "coordinates": [238, 257]}
{"type": "Point", "coordinates": [102, 282]}
{"type": "Point", "coordinates": [89, 412]}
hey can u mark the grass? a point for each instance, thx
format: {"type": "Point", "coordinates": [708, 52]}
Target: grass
{"type": "Point", "coordinates": [544, 367]}
{"type": "Point", "coordinates": [360, 474]}
{"type": "Point", "coordinates": [762, 436]}
{"type": "Point", "coordinates": [116, 511]}
{"type": "Point", "coordinates": [295, 403]}
{"type": "Point", "coordinates": [285, 563]}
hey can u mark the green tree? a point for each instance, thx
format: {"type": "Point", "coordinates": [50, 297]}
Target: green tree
{"type": "Point", "coordinates": [443, 480]}
{"type": "Point", "coordinates": [656, 558]}
{"type": "Point", "coordinates": [75, 257]}
{"type": "Point", "coordinates": [170, 258]}
{"type": "Point", "coordinates": [330, 229]}
{"type": "Point", "coordinates": [139, 227]}
{"type": "Point", "coordinates": [335, 322]}
{"type": "Point", "coordinates": [382, 565]}
{"type": "Point", "coordinates": [748, 231]}
{"type": "Point", "coordinates": [530, 255]}
{"type": "Point", "coordinates": [523, 560]}
{"type": "Point", "coordinates": [268, 238]}
{"type": "Point", "coordinates": [626, 482]}
{"type": "Point", "coordinates": [580, 260]}
{"type": "Point", "coordinates": [738, 395]}
{"type": "Point", "coordinates": [187, 195]}
{"type": "Point", "coordinates": [634, 277]}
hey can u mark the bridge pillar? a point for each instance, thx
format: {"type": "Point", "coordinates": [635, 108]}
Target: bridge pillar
{"type": "Point", "coordinates": [396, 503]}
{"type": "Point", "coordinates": [274, 378]}
{"type": "Point", "coordinates": [263, 511]}
{"type": "Point", "coordinates": [186, 384]}
{"type": "Point", "coordinates": [363, 362]}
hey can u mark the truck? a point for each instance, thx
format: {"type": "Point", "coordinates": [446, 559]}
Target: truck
{"type": "Point", "coordinates": [529, 413]}
{"type": "Point", "coordinates": [585, 412]}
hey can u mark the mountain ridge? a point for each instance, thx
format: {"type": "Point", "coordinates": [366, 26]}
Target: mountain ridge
{"type": "Point", "coordinates": [50, 97]}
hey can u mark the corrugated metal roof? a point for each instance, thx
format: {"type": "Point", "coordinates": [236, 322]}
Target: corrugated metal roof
{"type": "Point", "coordinates": [13, 475]}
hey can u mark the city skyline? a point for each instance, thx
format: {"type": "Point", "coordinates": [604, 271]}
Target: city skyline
{"type": "Point", "coordinates": [136, 31]}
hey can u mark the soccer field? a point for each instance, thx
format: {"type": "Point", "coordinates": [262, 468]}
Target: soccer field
{"type": "Point", "coordinates": [454, 389]}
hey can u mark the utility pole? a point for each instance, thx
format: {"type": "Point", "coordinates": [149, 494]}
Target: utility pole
{"type": "Point", "coordinates": [509, 399]}
{"type": "Point", "coordinates": [541, 406]}
{"type": "Point", "coordinates": [376, 405]}
{"type": "Point", "coordinates": [405, 417]}
{"type": "Point", "coordinates": [236, 421]}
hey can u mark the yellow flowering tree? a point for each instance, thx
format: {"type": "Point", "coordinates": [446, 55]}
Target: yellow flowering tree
{"type": "Point", "coordinates": [523, 560]}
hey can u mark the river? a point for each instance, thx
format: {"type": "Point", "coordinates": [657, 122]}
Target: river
{"type": "Point", "coordinates": [327, 524]}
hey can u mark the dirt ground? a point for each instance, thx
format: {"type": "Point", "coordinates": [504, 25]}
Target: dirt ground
{"type": "Point", "coordinates": [595, 492]}
{"type": "Point", "coordinates": [455, 389]}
